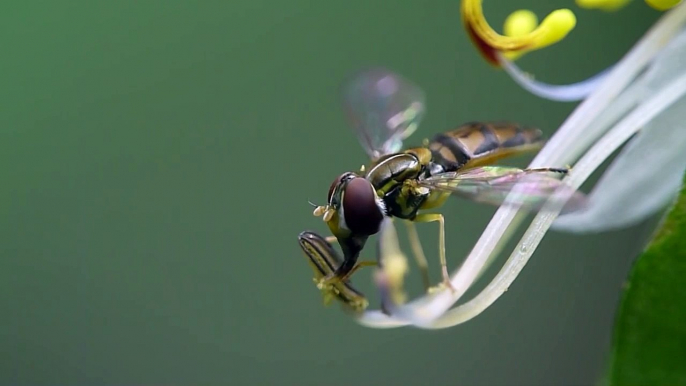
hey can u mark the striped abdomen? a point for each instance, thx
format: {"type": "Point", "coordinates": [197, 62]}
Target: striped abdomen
{"type": "Point", "coordinates": [482, 143]}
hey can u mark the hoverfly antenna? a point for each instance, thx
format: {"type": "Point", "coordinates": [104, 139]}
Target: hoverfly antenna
{"type": "Point", "coordinates": [312, 204]}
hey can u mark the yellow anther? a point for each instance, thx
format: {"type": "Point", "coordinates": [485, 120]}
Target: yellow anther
{"type": "Point", "coordinates": [525, 35]}
{"type": "Point", "coordinates": [520, 23]}
{"type": "Point", "coordinates": [662, 5]}
{"type": "Point", "coordinates": [605, 5]}
{"type": "Point", "coordinates": [613, 5]}
{"type": "Point", "coordinates": [557, 25]}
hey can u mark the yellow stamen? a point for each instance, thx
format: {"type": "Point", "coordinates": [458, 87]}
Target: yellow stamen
{"type": "Point", "coordinates": [605, 5]}
{"type": "Point", "coordinates": [520, 23]}
{"type": "Point", "coordinates": [525, 35]}
{"type": "Point", "coordinates": [662, 5]}
{"type": "Point", "coordinates": [557, 25]}
{"type": "Point", "coordinates": [613, 5]}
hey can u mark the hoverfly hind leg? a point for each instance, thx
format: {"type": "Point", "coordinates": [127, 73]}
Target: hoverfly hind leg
{"type": "Point", "coordinates": [418, 253]}
{"type": "Point", "coordinates": [431, 217]}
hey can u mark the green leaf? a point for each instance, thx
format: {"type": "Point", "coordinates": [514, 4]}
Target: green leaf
{"type": "Point", "coordinates": [650, 332]}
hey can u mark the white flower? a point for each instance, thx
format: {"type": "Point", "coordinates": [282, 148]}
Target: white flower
{"type": "Point", "coordinates": [643, 93]}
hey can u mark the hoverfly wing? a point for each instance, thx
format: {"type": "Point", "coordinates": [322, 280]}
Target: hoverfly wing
{"type": "Point", "coordinates": [384, 108]}
{"type": "Point", "coordinates": [497, 185]}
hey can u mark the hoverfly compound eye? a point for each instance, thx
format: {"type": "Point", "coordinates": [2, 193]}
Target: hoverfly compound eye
{"type": "Point", "coordinates": [362, 211]}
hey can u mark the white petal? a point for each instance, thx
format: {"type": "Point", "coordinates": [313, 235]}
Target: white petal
{"type": "Point", "coordinates": [577, 133]}
{"type": "Point", "coordinates": [649, 171]}
{"type": "Point", "coordinates": [559, 93]}
{"type": "Point", "coordinates": [619, 134]}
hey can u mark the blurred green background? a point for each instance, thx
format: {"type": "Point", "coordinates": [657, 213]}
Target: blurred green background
{"type": "Point", "coordinates": [156, 158]}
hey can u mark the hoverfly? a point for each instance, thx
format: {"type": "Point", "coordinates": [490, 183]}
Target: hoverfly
{"type": "Point", "coordinates": [385, 109]}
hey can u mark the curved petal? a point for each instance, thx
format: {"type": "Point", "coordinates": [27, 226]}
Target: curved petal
{"type": "Point", "coordinates": [648, 172]}
{"type": "Point", "coordinates": [579, 130]}
{"type": "Point", "coordinates": [559, 93]}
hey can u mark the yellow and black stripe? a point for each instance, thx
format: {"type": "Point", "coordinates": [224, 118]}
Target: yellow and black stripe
{"type": "Point", "coordinates": [482, 143]}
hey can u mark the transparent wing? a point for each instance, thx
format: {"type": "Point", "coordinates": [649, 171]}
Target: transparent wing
{"type": "Point", "coordinates": [383, 108]}
{"type": "Point", "coordinates": [493, 184]}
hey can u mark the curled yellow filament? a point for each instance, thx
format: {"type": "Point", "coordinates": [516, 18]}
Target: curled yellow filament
{"type": "Point", "coordinates": [522, 34]}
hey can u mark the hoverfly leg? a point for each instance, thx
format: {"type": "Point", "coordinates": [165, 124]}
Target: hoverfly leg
{"type": "Point", "coordinates": [332, 279]}
{"type": "Point", "coordinates": [418, 253]}
{"type": "Point", "coordinates": [358, 266]}
{"type": "Point", "coordinates": [330, 239]}
{"type": "Point", "coordinates": [323, 259]}
{"type": "Point", "coordinates": [431, 217]}
{"type": "Point", "coordinates": [328, 280]}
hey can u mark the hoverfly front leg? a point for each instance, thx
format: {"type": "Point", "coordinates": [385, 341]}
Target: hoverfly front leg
{"type": "Point", "coordinates": [332, 278]}
{"type": "Point", "coordinates": [431, 217]}
{"type": "Point", "coordinates": [358, 266]}
{"type": "Point", "coordinates": [334, 239]}
{"type": "Point", "coordinates": [323, 259]}
{"type": "Point", "coordinates": [351, 249]}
